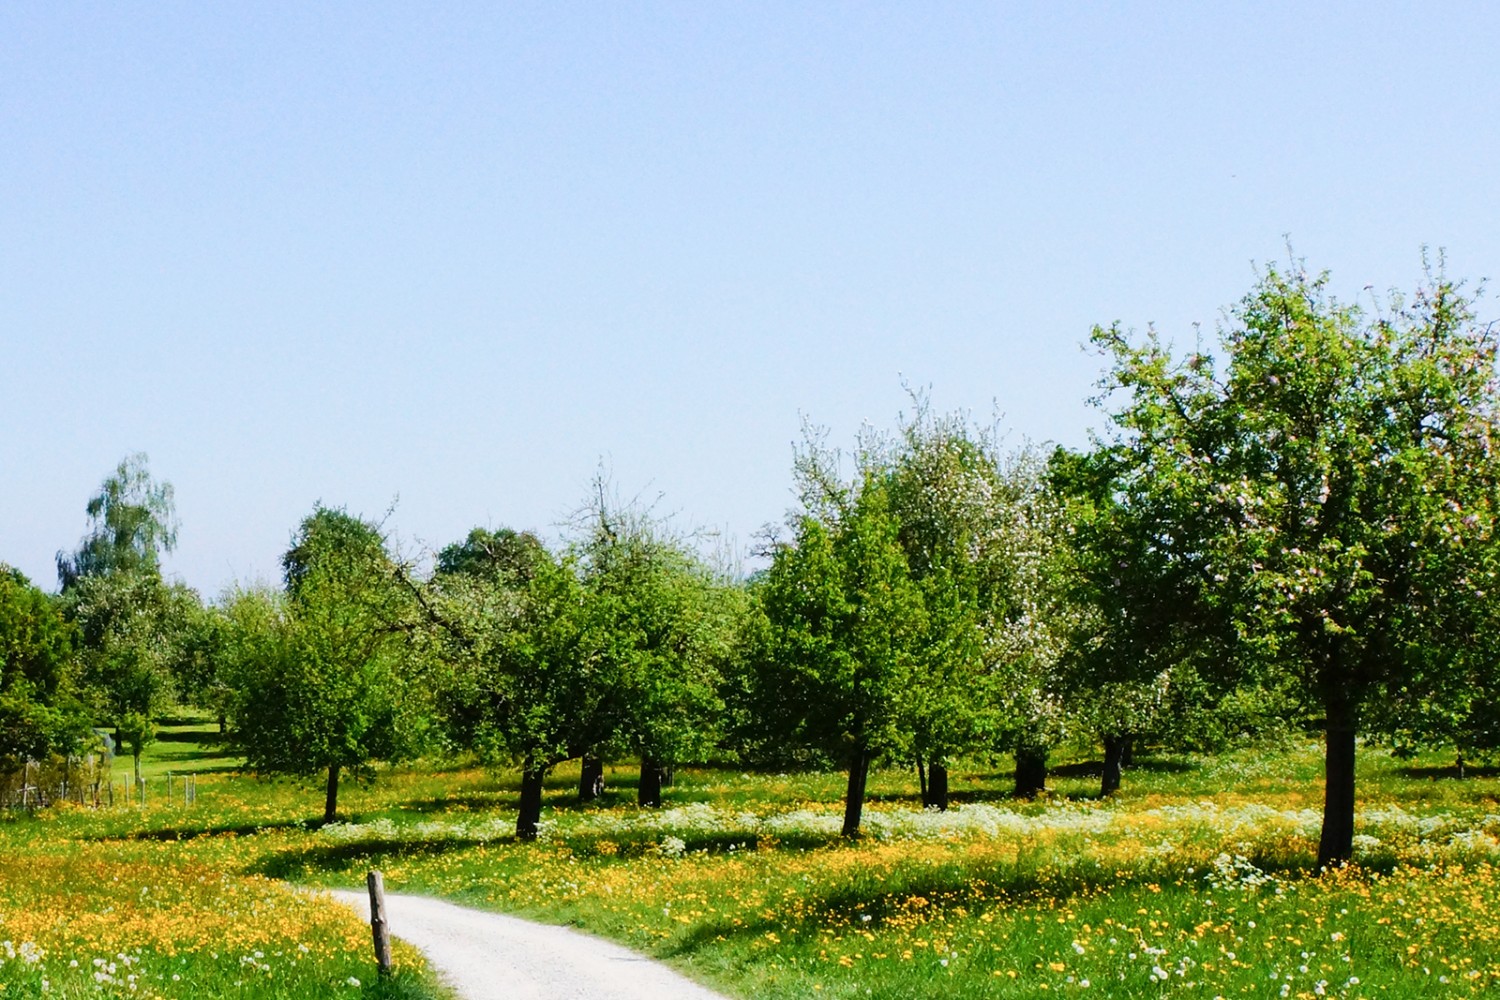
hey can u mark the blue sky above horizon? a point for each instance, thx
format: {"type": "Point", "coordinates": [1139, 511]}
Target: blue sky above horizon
{"type": "Point", "coordinates": [454, 258]}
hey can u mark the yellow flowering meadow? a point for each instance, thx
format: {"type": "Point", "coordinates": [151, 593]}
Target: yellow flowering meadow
{"type": "Point", "coordinates": [1195, 881]}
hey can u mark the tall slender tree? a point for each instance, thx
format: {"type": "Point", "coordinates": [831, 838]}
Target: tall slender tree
{"type": "Point", "coordinates": [132, 522]}
{"type": "Point", "coordinates": [125, 612]}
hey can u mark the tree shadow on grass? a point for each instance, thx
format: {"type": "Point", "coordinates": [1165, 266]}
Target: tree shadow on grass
{"type": "Point", "coordinates": [362, 855]}
{"type": "Point", "coordinates": [186, 832]}
{"type": "Point", "coordinates": [894, 896]}
{"type": "Point", "coordinates": [1428, 773]}
{"type": "Point", "coordinates": [197, 736]}
{"type": "Point", "coordinates": [497, 800]}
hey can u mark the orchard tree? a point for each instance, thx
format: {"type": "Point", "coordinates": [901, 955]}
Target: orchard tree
{"type": "Point", "coordinates": [1127, 631]}
{"type": "Point", "coordinates": [1025, 635]}
{"type": "Point", "coordinates": [325, 676]}
{"type": "Point", "coordinates": [505, 556]}
{"type": "Point", "coordinates": [517, 669]}
{"type": "Point", "coordinates": [1327, 501]}
{"type": "Point", "coordinates": [840, 628]}
{"type": "Point", "coordinates": [952, 504]}
{"type": "Point", "coordinates": [129, 638]}
{"type": "Point", "coordinates": [199, 665]}
{"type": "Point", "coordinates": [659, 627]}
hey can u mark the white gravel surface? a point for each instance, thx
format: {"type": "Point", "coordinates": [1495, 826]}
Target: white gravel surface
{"type": "Point", "coordinates": [488, 956]}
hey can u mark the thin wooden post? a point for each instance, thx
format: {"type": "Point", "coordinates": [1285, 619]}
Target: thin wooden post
{"type": "Point", "coordinates": [379, 927]}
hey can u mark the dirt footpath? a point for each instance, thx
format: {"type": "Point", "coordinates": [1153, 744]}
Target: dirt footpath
{"type": "Point", "coordinates": [488, 956]}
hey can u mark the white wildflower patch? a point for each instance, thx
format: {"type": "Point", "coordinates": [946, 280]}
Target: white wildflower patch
{"type": "Point", "coordinates": [1236, 873]}
{"type": "Point", "coordinates": [1173, 830]}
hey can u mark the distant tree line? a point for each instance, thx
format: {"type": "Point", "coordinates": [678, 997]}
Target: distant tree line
{"type": "Point", "coordinates": [1294, 528]}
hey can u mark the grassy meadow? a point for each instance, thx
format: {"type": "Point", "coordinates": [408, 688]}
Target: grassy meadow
{"type": "Point", "coordinates": [1195, 880]}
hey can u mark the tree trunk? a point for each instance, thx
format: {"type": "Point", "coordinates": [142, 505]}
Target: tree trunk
{"type": "Point", "coordinates": [331, 800]}
{"type": "Point", "coordinates": [531, 802]}
{"type": "Point", "coordinates": [653, 772]}
{"type": "Point", "coordinates": [1127, 755]}
{"type": "Point", "coordinates": [1114, 763]}
{"type": "Point", "coordinates": [1031, 771]}
{"type": "Point", "coordinates": [937, 786]}
{"type": "Point", "coordinates": [590, 778]}
{"type": "Point", "coordinates": [922, 780]}
{"type": "Point", "coordinates": [136, 756]}
{"type": "Point", "coordinates": [854, 798]}
{"type": "Point", "coordinates": [1336, 845]}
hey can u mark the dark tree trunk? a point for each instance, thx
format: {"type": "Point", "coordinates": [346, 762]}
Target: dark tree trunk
{"type": "Point", "coordinates": [1114, 764]}
{"type": "Point", "coordinates": [221, 723]}
{"type": "Point", "coordinates": [936, 796]}
{"type": "Point", "coordinates": [653, 773]}
{"type": "Point", "coordinates": [922, 780]}
{"type": "Point", "coordinates": [531, 802]}
{"type": "Point", "coordinates": [1127, 755]}
{"type": "Point", "coordinates": [331, 798]}
{"type": "Point", "coordinates": [1336, 846]}
{"type": "Point", "coordinates": [854, 798]}
{"type": "Point", "coordinates": [1031, 771]}
{"type": "Point", "coordinates": [590, 778]}
{"type": "Point", "coordinates": [1460, 765]}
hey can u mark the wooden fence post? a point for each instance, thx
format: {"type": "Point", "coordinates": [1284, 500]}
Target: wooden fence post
{"type": "Point", "coordinates": [379, 927]}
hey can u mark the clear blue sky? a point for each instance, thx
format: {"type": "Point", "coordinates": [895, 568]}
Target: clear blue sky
{"type": "Point", "coordinates": [460, 253]}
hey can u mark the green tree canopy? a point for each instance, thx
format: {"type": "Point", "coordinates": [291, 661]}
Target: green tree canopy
{"type": "Point", "coordinates": [517, 687]}
{"type": "Point", "coordinates": [660, 627]}
{"type": "Point", "coordinates": [325, 677]}
{"type": "Point", "coordinates": [841, 623]}
{"type": "Point", "coordinates": [130, 629]}
{"type": "Point", "coordinates": [1323, 508]}
{"type": "Point", "coordinates": [505, 556]}
{"type": "Point", "coordinates": [125, 613]}
{"type": "Point", "coordinates": [40, 714]}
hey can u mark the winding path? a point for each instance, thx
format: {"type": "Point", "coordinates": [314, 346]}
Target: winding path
{"type": "Point", "coordinates": [489, 956]}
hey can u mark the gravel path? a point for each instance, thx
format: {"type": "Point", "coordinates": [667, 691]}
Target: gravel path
{"type": "Point", "coordinates": [488, 956]}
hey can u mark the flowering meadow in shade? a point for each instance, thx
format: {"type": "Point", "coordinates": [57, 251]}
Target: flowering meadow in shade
{"type": "Point", "coordinates": [1195, 881]}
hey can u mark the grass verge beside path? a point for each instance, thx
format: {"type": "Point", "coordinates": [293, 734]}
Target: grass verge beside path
{"type": "Point", "coordinates": [109, 903]}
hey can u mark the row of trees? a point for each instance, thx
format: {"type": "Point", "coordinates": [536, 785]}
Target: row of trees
{"type": "Point", "coordinates": [1299, 524]}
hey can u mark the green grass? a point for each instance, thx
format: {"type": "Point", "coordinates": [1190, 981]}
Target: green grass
{"type": "Point", "coordinates": [186, 744]}
{"type": "Point", "coordinates": [1199, 872]}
